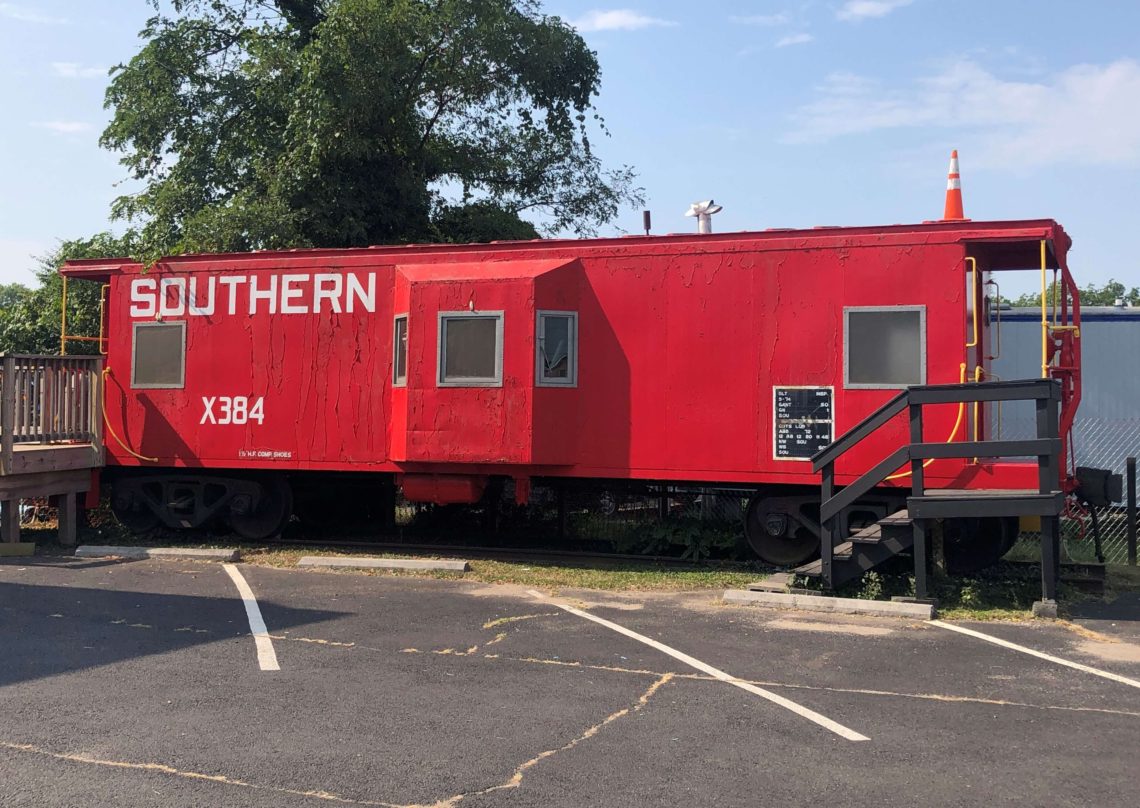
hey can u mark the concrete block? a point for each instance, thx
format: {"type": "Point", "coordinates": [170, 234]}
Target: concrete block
{"type": "Point", "coordinates": [369, 563]}
{"type": "Point", "coordinates": [191, 553]}
{"type": "Point", "coordinates": [17, 548]}
{"type": "Point", "coordinates": [777, 582]}
{"type": "Point", "coordinates": [818, 603]}
{"type": "Point", "coordinates": [1045, 608]}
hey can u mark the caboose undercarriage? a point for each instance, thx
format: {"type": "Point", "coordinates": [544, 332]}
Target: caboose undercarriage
{"type": "Point", "coordinates": [781, 523]}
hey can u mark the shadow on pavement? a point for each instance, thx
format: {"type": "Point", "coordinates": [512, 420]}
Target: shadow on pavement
{"type": "Point", "coordinates": [52, 630]}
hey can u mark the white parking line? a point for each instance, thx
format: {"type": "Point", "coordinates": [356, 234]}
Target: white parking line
{"type": "Point", "coordinates": [266, 656]}
{"type": "Point", "coordinates": [716, 673]}
{"type": "Point", "coordinates": [1116, 677]}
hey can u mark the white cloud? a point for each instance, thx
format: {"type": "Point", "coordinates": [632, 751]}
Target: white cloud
{"type": "Point", "coordinates": [1083, 115]}
{"type": "Point", "coordinates": [620, 19]}
{"type": "Point", "coordinates": [854, 10]}
{"type": "Point", "coordinates": [73, 70]}
{"type": "Point", "coordinates": [795, 39]}
{"type": "Point", "coordinates": [767, 20]}
{"type": "Point", "coordinates": [64, 127]}
{"type": "Point", "coordinates": [23, 14]}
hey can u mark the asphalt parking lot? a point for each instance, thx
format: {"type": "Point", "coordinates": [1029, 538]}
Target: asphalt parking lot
{"type": "Point", "coordinates": [140, 683]}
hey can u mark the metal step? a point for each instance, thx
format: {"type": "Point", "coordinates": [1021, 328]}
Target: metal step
{"type": "Point", "coordinates": [866, 549]}
{"type": "Point", "coordinates": [949, 503]}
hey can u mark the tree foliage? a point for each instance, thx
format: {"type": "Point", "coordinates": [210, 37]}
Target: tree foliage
{"type": "Point", "coordinates": [280, 123]}
{"type": "Point", "coordinates": [1091, 295]}
{"type": "Point", "coordinates": [30, 318]}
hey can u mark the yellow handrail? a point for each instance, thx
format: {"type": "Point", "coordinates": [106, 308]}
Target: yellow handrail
{"type": "Point", "coordinates": [953, 432]}
{"type": "Point", "coordinates": [111, 429]}
{"type": "Point", "coordinates": [973, 298]}
{"type": "Point", "coordinates": [65, 338]}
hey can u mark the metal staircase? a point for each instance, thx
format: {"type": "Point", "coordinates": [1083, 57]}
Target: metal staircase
{"type": "Point", "coordinates": [843, 558]}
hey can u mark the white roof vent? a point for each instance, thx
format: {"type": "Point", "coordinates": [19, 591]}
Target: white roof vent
{"type": "Point", "coordinates": [704, 212]}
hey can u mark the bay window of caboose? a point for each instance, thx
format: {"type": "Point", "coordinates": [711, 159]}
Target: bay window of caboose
{"type": "Point", "coordinates": [400, 351]}
{"type": "Point", "coordinates": [556, 349]}
{"type": "Point", "coordinates": [470, 349]}
{"type": "Point", "coordinates": [884, 347]}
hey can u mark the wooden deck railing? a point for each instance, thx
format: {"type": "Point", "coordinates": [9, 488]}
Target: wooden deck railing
{"type": "Point", "coordinates": [49, 401]}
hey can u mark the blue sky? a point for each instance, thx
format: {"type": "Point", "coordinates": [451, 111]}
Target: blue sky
{"type": "Point", "coordinates": [790, 114]}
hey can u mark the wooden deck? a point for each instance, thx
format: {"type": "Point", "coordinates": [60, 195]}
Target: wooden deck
{"type": "Point", "coordinates": [51, 435]}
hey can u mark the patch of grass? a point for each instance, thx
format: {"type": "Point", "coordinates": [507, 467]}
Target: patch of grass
{"type": "Point", "coordinates": [1003, 592]}
{"type": "Point", "coordinates": [617, 576]}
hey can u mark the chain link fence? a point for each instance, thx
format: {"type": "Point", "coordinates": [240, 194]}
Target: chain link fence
{"type": "Point", "coordinates": [1104, 443]}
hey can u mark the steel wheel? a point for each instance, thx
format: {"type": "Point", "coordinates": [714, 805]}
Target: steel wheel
{"type": "Point", "coordinates": [778, 532]}
{"type": "Point", "coordinates": [132, 512]}
{"type": "Point", "coordinates": [268, 518]}
{"type": "Point", "coordinates": [973, 544]}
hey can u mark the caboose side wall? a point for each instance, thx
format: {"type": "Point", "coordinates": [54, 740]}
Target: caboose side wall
{"type": "Point", "coordinates": [313, 374]}
{"type": "Point", "coordinates": [679, 349]}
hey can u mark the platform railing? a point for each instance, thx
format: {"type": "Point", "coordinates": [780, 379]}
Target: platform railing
{"type": "Point", "coordinates": [1046, 447]}
{"type": "Point", "coordinates": [48, 400]}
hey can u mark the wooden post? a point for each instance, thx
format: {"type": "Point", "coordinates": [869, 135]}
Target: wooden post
{"type": "Point", "coordinates": [829, 533]}
{"type": "Point", "coordinates": [65, 507]}
{"type": "Point", "coordinates": [7, 412]}
{"type": "Point", "coordinates": [10, 520]}
{"type": "Point", "coordinates": [921, 589]}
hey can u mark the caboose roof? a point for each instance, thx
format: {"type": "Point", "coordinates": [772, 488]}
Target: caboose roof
{"type": "Point", "coordinates": [1007, 239]}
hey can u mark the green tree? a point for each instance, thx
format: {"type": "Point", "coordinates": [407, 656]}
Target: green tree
{"type": "Point", "coordinates": [281, 123]}
{"type": "Point", "coordinates": [30, 318]}
{"type": "Point", "coordinates": [1091, 295]}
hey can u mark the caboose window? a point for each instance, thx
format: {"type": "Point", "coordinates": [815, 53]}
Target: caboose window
{"type": "Point", "coordinates": [400, 352]}
{"type": "Point", "coordinates": [158, 355]}
{"type": "Point", "coordinates": [885, 347]}
{"type": "Point", "coordinates": [557, 349]}
{"type": "Point", "coordinates": [470, 349]}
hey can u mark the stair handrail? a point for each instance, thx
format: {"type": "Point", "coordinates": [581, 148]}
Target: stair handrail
{"type": "Point", "coordinates": [1047, 446]}
{"type": "Point", "coordinates": [861, 430]}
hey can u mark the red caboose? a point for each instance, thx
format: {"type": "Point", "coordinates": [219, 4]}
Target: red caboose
{"type": "Point", "coordinates": [725, 359]}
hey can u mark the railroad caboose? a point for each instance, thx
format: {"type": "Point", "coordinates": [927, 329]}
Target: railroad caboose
{"type": "Point", "coordinates": [711, 360]}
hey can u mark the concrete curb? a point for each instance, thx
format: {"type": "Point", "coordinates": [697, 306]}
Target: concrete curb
{"type": "Point", "coordinates": [369, 563]}
{"type": "Point", "coordinates": [824, 603]}
{"type": "Point", "coordinates": [193, 553]}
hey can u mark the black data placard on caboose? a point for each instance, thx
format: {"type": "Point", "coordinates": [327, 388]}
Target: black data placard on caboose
{"type": "Point", "coordinates": [803, 421]}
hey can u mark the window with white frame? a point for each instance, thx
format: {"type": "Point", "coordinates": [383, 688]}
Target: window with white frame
{"type": "Point", "coordinates": [400, 351]}
{"type": "Point", "coordinates": [884, 346]}
{"type": "Point", "coordinates": [470, 349]}
{"type": "Point", "coordinates": [556, 349]}
{"type": "Point", "coordinates": [158, 355]}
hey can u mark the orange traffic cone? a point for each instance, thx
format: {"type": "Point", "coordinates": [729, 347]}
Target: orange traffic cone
{"type": "Point", "coordinates": [954, 210]}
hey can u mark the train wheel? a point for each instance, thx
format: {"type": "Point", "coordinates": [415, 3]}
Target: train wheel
{"type": "Point", "coordinates": [973, 544]}
{"type": "Point", "coordinates": [132, 513]}
{"type": "Point", "coordinates": [274, 507]}
{"type": "Point", "coordinates": [778, 532]}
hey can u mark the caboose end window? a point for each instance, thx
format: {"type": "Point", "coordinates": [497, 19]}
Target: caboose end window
{"type": "Point", "coordinates": [470, 349]}
{"type": "Point", "coordinates": [557, 349]}
{"type": "Point", "coordinates": [884, 346]}
{"type": "Point", "coordinates": [400, 352]}
{"type": "Point", "coordinates": [158, 355]}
